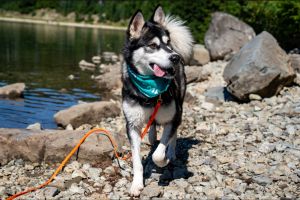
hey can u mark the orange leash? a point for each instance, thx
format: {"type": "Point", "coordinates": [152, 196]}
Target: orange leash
{"type": "Point", "coordinates": [96, 130]}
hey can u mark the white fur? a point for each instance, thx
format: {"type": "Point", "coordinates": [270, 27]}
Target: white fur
{"type": "Point", "coordinates": [142, 59]}
{"type": "Point", "coordinates": [165, 39]}
{"type": "Point", "coordinates": [180, 36]}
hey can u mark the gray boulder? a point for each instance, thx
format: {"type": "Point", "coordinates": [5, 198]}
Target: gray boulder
{"type": "Point", "coordinates": [226, 35]}
{"type": "Point", "coordinates": [195, 74]}
{"type": "Point", "coordinates": [86, 113]}
{"type": "Point", "coordinates": [110, 79]}
{"type": "Point", "coordinates": [12, 91]}
{"type": "Point", "coordinates": [84, 65]}
{"type": "Point", "coordinates": [260, 67]}
{"type": "Point", "coordinates": [200, 55]}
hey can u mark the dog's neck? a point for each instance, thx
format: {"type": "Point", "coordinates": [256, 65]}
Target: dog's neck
{"type": "Point", "coordinates": [149, 85]}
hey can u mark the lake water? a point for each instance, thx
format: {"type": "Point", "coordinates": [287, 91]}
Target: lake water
{"type": "Point", "coordinates": [43, 56]}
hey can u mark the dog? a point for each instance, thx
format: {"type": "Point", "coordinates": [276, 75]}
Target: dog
{"type": "Point", "coordinates": [153, 68]}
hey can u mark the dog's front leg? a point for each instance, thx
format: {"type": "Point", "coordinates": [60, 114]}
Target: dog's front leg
{"type": "Point", "coordinates": [137, 183]}
{"type": "Point", "coordinates": [168, 138]}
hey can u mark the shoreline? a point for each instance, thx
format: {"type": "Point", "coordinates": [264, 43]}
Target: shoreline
{"type": "Point", "coordinates": [60, 23]}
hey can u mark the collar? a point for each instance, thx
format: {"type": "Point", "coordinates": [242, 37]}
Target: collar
{"type": "Point", "coordinates": [149, 85]}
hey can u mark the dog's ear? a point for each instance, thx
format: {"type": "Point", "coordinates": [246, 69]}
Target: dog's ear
{"type": "Point", "coordinates": [158, 15]}
{"type": "Point", "coordinates": [136, 24]}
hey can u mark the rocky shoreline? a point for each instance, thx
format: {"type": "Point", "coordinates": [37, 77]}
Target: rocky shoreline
{"type": "Point", "coordinates": [225, 150]}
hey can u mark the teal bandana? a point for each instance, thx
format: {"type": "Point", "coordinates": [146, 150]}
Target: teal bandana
{"type": "Point", "coordinates": [148, 85]}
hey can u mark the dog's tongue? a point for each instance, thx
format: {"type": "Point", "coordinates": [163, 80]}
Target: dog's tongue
{"type": "Point", "coordinates": [158, 71]}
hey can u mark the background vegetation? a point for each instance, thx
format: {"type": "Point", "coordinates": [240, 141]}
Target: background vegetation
{"type": "Point", "coordinates": [280, 18]}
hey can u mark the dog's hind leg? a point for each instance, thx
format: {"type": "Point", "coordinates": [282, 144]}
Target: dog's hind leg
{"type": "Point", "coordinates": [159, 155]}
{"type": "Point", "coordinates": [152, 135]}
{"type": "Point", "coordinates": [137, 183]}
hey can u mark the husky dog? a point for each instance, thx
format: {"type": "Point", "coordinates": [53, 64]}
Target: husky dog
{"type": "Point", "coordinates": [153, 69]}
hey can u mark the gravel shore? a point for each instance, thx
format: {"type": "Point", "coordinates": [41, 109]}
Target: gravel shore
{"type": "Point", "coordinates": [225, 150]}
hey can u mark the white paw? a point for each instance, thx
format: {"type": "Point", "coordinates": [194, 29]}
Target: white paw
{"type": "Point", "coordinates": [136, 188]}
{"type": "Point", "coordinates": [160, 159]}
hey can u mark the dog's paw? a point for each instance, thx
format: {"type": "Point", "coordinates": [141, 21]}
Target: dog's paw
{"type": "Point", "coordinates": [136, 188]}
{"type": "Point", "coordinates": [160, 159]}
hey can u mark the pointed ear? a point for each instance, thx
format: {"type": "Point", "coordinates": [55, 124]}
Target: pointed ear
{"type": "Point", "coordinates": [136, 24]}
{"type": "Point", "coordinates": [158, 15]}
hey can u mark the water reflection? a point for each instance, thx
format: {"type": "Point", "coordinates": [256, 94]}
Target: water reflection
{"type": "Point", "coordinates": [43, 56]}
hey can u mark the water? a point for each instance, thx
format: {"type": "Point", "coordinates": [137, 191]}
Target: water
{"type": "Point", "coordinates": [42, 57]}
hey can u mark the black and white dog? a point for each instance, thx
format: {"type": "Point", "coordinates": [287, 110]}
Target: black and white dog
{"type": "Point", "coordinates": [154, 54]}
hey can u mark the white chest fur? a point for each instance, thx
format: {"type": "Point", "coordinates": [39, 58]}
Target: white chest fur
{"type": "Point", "coordinates": [138, 115]}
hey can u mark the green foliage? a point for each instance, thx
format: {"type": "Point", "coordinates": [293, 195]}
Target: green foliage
{"type": "Point", "coordinates": [280, 18]}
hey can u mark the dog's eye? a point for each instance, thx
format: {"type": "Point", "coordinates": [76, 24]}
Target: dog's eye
{"type": "Point", "coordinates": [153, 46]}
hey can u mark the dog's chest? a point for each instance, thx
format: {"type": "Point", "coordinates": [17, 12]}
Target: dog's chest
{"type": "Point", "coordinates": [138, 115]}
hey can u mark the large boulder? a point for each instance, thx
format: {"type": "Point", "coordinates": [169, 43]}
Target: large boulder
{"type": "Point", "coordinates": [87, 113]}
{"type": "Point", "coordinates": [12, 91]}
{"type": "Point", "coordinates": [53, 145]}
{"type": "Point", "coordinates": [260, 67]}
{"type": "Point", "coordinates": [295, 62]}
{"type": "Point", "coordinates": [226, 35]}
{"type": "Point", "coordinates": [200, 55]}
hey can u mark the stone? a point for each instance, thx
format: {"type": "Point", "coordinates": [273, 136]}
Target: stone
{"type": "Point", "coordinates": [152, 190]}
{"type": "Point", "coordinates": [110, 56]}
{"type": "Point", "coordinates": [226, 35]}
{"type": "Point", "coordinates": [96, 59]}
{"type": "Point", "coordinates": [208, 106]}
{"type": "Point", "coordinates": [75, 189]}
{"type": "Point", "coordinates": [110, 79]}
{"type": "Point", "coordinates": [261, 67]}
{"type": "Point", "coordinates": [35, 126]}
{"type": "Point", "coordinates": [200, 55]}
{"type": "Point", "coordinates": [295, 63]}
{"type": "Point", "coordinates": [90, 113]}
{"type": "Point", "coordinates": [195, 74]}
{"type": "Point", "coordinates": [107, 188]}
{"type": "Point", "coordinates": [94, 173]}
{"type": "Point", "coordinates": [71, 77]}
{"type": "Point", "coordinates": [53, 145]}
{"type": "Point", "coordinates": [50, 191]}
{"type": "Point", "coordinates": [84, 65]}
{"type": "Point", "coordinates": [255, 97]}
{"type": "Point", "coordinates": [262, 180]}
{"type": "Point", "coordinates": [2, 191]}
{"type": "Point", "coordinates": [69, 127]}
{"type": "Point", "coordinates": [109, 170]}
{"type": "Point", "coordinates": [266, 147]}
{"type": "Point", "coordinates": [78, 173]}
{"type": "Point", "coordinates": [15, 90]}
{"type": "Point", "coordinates": [218, 94]}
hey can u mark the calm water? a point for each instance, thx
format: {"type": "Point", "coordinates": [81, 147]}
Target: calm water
{"type": "Point", "coordinates": [42, 57]}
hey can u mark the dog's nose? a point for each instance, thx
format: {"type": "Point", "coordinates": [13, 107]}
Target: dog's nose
{"type": "Point", "coordinates": [174, 58]}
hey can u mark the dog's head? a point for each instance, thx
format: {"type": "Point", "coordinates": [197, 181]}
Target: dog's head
{"type": "Point", "coordinates": [156, 47]}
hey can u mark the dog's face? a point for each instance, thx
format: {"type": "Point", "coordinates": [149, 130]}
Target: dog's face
{"type": "Point", "coordinates": [148, 47]}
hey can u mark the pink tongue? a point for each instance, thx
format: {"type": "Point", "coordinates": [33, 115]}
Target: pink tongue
{"type": "Point", "coordinates": [158, 71]}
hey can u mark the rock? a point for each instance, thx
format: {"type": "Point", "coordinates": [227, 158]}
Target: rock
{"type": "Point", "coordinates": [255, 97]}
{"type": "Point", "coordinates": [200, 55]}
{"type": "Point", "coordinates": [84, 65]}
{"type": "Point", "coordinates": [78, 173]}
{"type": "Point", "coordinates": [295, 63]}
{"type": "Point", "coordinates": [2, 191]}
{"type": "Point", "coordinates": [152, 190]}
{"type": "Point", "coordinates": [75, 189]}
{"type": "Point", "coordinates": [35, 126]}
{"type": "Point", "coordinates": [260, 67]}
{"type": "Point", "coordinates": [226, 35]}
{"type": "Point", "coordinates": [71, 77]}
{"type": "Point", "coordinates": [218, 94]}
{"type": "Point", "coordinates": [266, 147]}
{"type": "Point", "coordinates": [107, 188]}
{"type": "Point", "coordinates": [94, 173]}
{"type": "Point", "coordinates": [91, 113]}
{"type": "Point", "coordinates": [195, 74]}
{"type": "Point", "coordinates": [15, 90]}
{"type": "Point", "coordinates": [207, 106]}
{"type": "Point", "coordinates": [96, 59]}
{"type": "Point", "coordinates": [262, 180]}
{"type": "Point", "coordinates": [53, 145]}
{"type": "Point", "coordinates": [50, 191]}
{"type": "Point", "coordinates": [111, 78]}
{"type": "Point", "coordinates": [110, 56]}
{"type": "Point", "coordinates": [109, 170]}
{"type": "Point", "coordinates": [69, 127]}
